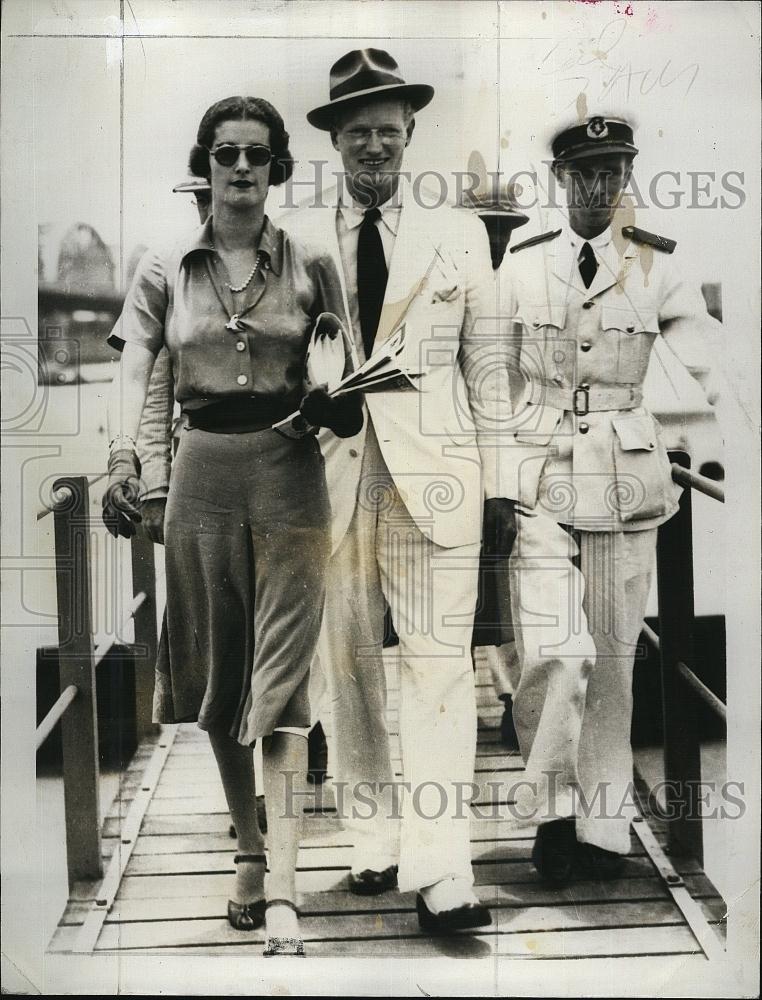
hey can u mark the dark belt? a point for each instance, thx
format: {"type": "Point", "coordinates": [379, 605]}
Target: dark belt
{"type": "Point", "coordinates": [241, 414]}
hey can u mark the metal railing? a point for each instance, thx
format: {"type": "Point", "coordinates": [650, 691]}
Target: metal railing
{"type": "Point", "coordinates": [681, 688]}
{"type": "Point", "coordinates": [79, 657]}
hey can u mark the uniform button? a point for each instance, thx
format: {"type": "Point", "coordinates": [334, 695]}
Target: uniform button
{"type": "Point", "coordinates": [631, 329]}
{"type": "Point", "coordinates": [558, 380]}
{"type": "Point", "coordinates": [240, 346]}
{"type": "Point", "coordinates": [585, 346]}
{"type": "Point", "coordinates": [242, 379]}
{"type": "Point", "coordinates": [536, 323]}
{"type": "Point", "coordinates": [588, 305]}
{"type": "Point", "coordinates": [584, 428]}
{"type": "Point", "coordinates": [353, 453]}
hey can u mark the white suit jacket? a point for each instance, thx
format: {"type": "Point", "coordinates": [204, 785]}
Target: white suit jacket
{"type": "Point", "coordinates": [441, 286]}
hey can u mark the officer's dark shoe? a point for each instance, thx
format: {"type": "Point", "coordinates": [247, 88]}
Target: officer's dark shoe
{"type": "Point", "coordinates": [554, 851]}
{"type": "Point", "coordinates": [508, 735]}
{"type": "Point", "coordinates": [598, 863]}
{"type": "Point", "coordinates": [317, 755]}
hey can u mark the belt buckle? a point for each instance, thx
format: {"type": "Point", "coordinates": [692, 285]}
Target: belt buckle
{"type": "Point", "coordinates": [584, 391]}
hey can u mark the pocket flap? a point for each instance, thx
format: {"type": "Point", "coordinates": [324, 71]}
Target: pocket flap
{"type": "Point", "coordinates": [635, 431]}
{"type": "Point", "coordinates": [629, 318]}
{"type": "Point", "coordinates": [543, 314]}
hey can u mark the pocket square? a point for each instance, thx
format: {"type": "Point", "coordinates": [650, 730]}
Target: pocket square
{"type": "Point", "coordinates": [446, 294]}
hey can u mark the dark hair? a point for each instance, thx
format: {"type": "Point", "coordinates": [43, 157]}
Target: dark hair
{"type": "Point", "coordinates": [243, 109]}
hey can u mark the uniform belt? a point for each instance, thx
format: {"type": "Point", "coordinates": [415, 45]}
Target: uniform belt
{"type": "Point", "coordinates": [241, 414]}
{"type": "Point", "coordinates": [587, 398]}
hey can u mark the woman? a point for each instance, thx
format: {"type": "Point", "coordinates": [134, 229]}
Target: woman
{"type": "Point", "coordinates": [247, 528]}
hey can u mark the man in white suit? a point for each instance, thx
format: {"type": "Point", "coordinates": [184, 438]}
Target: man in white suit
{"type": "Point", "coordinates": [407, 497]}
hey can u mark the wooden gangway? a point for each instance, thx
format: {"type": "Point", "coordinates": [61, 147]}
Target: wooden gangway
{"type": "Point", "coordinates": [169, 866]}
{"type": "Point", "coordinates": [154, 876]}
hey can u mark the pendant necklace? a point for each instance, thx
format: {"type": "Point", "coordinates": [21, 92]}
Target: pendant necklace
{"type": "Point", "coordinates": [233, 324]}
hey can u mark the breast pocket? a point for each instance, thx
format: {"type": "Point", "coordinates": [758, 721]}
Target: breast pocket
{"type": "Point", "coordinates": [630, 330]}
{"type": "Point", "coordinates": [544, 351]}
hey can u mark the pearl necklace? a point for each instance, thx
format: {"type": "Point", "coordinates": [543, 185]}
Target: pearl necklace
{"type": "Point", "coordinates": [252, 272]}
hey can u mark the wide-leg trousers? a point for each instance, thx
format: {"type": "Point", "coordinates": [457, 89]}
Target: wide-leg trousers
{"type": "Point", "coordinates": [578, 601]}
{"type": "Point", "coordinates": [423, 824]}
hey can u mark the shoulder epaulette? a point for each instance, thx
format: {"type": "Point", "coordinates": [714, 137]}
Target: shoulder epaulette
{"type": "Point", "coordinates": [534, 240]}
{"type": "Point", "coordinates": [650, 239]}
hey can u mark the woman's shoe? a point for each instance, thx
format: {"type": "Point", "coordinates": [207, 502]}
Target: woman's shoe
{"type": "Point", "coordinates": [247, 916]}
{"type": "Point", "coordinates": [276, 945]}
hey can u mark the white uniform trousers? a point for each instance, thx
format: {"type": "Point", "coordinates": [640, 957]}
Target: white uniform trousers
{"type": "Point", "coordinates": [432, 594]}
{"type": "Point", "coordinates": [576, 628]}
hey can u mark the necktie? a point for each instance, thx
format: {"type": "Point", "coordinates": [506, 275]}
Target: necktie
{"type": "Point", "coordinates": [371, 277]}
{"type": "Point", "coordinates": [588, 265]}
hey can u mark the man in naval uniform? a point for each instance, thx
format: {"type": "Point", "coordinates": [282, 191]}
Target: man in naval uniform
{"type": "Point", "coordinates": [590, 475]}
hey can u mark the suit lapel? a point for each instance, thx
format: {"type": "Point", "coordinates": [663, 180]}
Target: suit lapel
{"type": "Point", "coordinates": [414, 257]}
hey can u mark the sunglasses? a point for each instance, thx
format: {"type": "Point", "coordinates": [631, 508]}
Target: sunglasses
{"type": "Point", "coordinates": [256, 155]}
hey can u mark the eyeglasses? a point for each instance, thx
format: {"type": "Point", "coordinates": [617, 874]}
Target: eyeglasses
{"type": "Point", "coordinates": [256, 155]}
{"type": "Point", "coordinates": [390, 135]}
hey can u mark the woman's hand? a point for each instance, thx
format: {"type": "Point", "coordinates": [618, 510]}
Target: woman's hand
{"type": "Point", "coordinates": [341, 414]}
{"type": "Point", "coordinates": [120, 511]}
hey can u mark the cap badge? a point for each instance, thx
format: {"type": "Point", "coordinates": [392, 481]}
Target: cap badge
{"type": "Point", "coordinates": [597, 128]}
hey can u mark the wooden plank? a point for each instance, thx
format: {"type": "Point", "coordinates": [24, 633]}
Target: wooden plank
{"type": "Point", "coordinates": [483, 852]}
{"type": "Point", "coordinates": [466, 945]}
{"type": "Point", "coordinates": [219, 822]}
{"type": "Point", "coordinates": [202, 883]}
{"type": "Point", "coordinates": [190, 804]}
{"type": "Point", "coordinates": [561, 945]}
{"type": "Point", "coordinates": [220, 842]}
{"type": "Point", "coordinates": [187, 907]}
{"type": "Point", "coordinates": [126, 844]}
{"type": "Point", "coordinates": [209, 832]}
{"type": "Point", "coordinates": [617, 918]}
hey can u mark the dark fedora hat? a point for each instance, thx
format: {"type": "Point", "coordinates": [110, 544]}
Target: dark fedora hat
{"type": "Point", "coordinates": [363, 74]}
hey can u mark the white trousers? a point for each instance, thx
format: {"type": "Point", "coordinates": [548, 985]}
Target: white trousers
{"type": "Point", "coordinates": [432, 593]}
{"type": "Point", "coordinates": [504, 668]}
{"type": "Point", "coordinates": [578, 611]}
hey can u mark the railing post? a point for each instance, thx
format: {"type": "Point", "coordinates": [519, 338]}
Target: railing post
{"type": "Point", "coordinates": [144, 579]}
{"type": "Point", "coordinates": [682, 748]}
{"type": "Point", "coordinates": [79, 725]}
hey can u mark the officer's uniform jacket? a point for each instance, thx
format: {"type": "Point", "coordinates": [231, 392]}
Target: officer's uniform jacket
{"type": "Point", "coordinates": [581, 447]}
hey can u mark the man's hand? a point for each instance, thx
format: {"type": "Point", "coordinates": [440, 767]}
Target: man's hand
{"type": "Point", "coordinates": [153, 511]}
{"type": "Point", "coordinates": [120, 511]}
{"type": "Point", "coordinates": [343, 414]}
{"type": "Point", "coordinates": [499, 526]}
